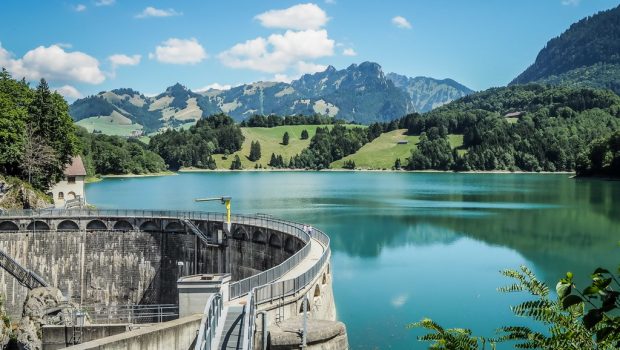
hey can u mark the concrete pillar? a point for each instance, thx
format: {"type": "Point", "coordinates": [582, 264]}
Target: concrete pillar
{"type": "Point", "coordinates": [194, 291]}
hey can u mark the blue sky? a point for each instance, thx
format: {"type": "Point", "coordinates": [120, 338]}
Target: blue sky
{"type": "Point", "coordinates": [86, 46]}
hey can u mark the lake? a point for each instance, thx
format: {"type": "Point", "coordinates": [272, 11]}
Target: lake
{"type": "Point", "coordinates": [413, 245]}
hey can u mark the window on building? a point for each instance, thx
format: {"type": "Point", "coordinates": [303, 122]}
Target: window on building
{"type": "Point", "coordinates": [61, 195]}
{"type": "Point", "coordinates": [71, 179]}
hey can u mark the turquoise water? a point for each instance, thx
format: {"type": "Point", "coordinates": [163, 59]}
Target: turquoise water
{"type": "Point", "coordinates": [413, 245]}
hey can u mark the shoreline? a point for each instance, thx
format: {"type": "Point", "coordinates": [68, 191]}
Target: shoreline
{"type": "Point", "coordinates": [164, 173]}
{"type": "Point", "coordinates": [198, 170]}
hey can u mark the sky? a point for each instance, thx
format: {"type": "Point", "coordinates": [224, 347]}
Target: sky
{"type": "Point", "coordinates": [83, 47]}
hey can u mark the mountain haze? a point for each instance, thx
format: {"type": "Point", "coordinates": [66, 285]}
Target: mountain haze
{"type": "Point", "coordinates": [361, 93]}
{"type": "Point", "coordinates": [428, 93]}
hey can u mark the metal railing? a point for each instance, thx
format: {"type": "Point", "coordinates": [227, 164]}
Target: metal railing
{"type": "Point", "coordinates": [24, 276]}
{"type": "Point", "coordinates": [249, 321]}
{"type": "Point", "coordinates": [154, 313]}
{"type": "Point", "coordinates": [209, 323]}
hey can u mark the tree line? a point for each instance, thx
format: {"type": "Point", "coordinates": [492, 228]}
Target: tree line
{"type": "Point", "coordinates": [195, 146]}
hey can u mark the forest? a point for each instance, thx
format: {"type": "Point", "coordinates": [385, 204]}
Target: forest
{"type": "Point", "coordinates": [195, 146]}
{"type": "Point", "coordinates": [548, 128]}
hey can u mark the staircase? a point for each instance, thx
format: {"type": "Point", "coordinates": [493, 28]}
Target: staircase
{"type": "Point", "coordinates": [24, 276]}
{"type": "Point", "coordinates": [189, 224]}
{"type": "Point", "coordinates": [233, 329]}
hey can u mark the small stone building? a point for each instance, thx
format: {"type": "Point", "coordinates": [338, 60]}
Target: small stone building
{"type": "Point", "coordinates": [71, 187]}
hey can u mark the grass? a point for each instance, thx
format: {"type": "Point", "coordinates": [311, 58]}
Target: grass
{"type": "Point", "coordinates": [108, 126]}
{"type": "Point", "coordinates": [270, 141]}
{"type": "Point", "coordinates": [383, 151]}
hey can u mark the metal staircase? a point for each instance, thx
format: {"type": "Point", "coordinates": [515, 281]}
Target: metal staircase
{"type": "Point", "coordinates": [203, 237]}
{"type": "Point", "coordinates": [25, 277]}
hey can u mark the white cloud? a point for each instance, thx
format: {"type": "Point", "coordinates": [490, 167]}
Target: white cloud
{"type": "Point", "coordinates": [80, 8]}
{"type": "Point", "coordinates": [55, 64]}
{"type": "Point", "coordinates": [298, 17]}
{"type": "Point", "coordinates": [279, 52]}
{"type": "Point", "coordinates": [155, 12]}
{"type": "Point", "coordinates": [104, 2]}
{"type": "Point", "coordinates": [68, 92]}
{"type": "Point", "coordinates": [282, 78]}
{"type": "Point", "coordinates": [214, 86]}
{"type": "Point", "coordinates": [570, 2]}
{"type": "Point", "coordinates": [349, 52]}
{"type": "Point", "coordinates": [123, 60]}
{"type": "Point", "coordinates": [401, 22]}
{"type": "Point", "coordinates": [64, 45]}
{"type": "Point", "coordinates": [309, 67]}
{"type": "Point", "coordinates": [179, 51]}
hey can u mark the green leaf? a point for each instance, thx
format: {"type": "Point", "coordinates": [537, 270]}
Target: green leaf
{"type": "Point", "coordinates": [602, 283]}
{"type": "Point", "coordinates": [563, 289]}
{"type": "Point", "coordinates": [569, 275]}
{"type": "Point", "coordinates": [591, 290]}
{"type": "Point", "coordinates": [593, 317]}
{"type": "Point", "coordinates": [600, 270]}
{"type": "Point", "coordinates": [570, 301]}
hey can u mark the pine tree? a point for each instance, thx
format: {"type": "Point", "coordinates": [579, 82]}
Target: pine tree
{"type": "Point", "coordinates": [304, 134]}
{"type": "Point", "coordinates": [255, 153]}
{"type": "Point", "coordinates": [273, 162]}
{"type": "Point", "coordinates": [236, 163]}
{"type": "Point", "coordinates": [285, 138]}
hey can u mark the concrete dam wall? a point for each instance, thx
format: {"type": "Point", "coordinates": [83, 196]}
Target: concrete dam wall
{"type": "Point", "coordinates": [137, 260]}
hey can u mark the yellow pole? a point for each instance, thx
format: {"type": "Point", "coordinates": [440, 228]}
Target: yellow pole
{"type": "Point", "coordinates": [227, 202]}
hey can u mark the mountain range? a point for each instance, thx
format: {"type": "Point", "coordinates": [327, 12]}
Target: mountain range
{"type": "Point", "coordinates": [586, 54]}
{"type": "Point", "coordinates": [360, 93]}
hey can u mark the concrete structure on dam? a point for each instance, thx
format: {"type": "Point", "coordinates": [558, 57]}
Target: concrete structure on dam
{"type": "Point", "coordinates": [254, 284]}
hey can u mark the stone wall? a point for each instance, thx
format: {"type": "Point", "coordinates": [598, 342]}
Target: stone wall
{"type": "Point", "coordinates": [134, 267]}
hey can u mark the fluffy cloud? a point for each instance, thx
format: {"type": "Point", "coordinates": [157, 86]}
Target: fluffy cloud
{"type": "Point", "coordinates": [68, 92]}
{"type": "Point", "coordinates": [179, 51]}
{"type": "Point", "coordinates": [349, 52]}
{"type": "Point", "coordinates": [155, 12]}
{"type": "Point", "coordinates": [401, 22]}
{"type": "Point", "coordinates": [309, 67]}
{"type": "Point", "coordinates": [298, 17]}
{"type": "Point", "coordinates": [570, 2]}
{"type": "Point", "coordinates": [80, 8]}
{"type": "Point", "coordinates": [214, 86]}
{"type": "Point", "coordinates": [104, 2]}
{"type": "Point", "coordinates": [279, 52]}
{"type": "Point", "coordinates": [53, 63]}
{"type": "Point", "coordinates": [123, 60]}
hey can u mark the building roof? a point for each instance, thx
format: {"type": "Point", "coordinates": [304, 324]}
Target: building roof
{"type": "Point", "coordinates": [76, 167]}
{"type": "Point", "coordinates": [513, 114]}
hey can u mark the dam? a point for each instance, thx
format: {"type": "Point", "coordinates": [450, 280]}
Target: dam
{"type": "Point", "coordinates": [272, 274]}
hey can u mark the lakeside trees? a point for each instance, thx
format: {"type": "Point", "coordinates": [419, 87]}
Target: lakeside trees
{"type": "Point", "coordinates": [551, 127]}
{"type": "Point", "coordinates": [601, 157]}
{"type": "Point", "coordinates": [37, 135]}
{"type": "Point", "coordinates": [195, 146]}
{"type": "Point", "coordinates": [254, 151]}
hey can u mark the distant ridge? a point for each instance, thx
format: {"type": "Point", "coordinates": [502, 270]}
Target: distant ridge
{"type": "Point", "coordinates": [360, 92]}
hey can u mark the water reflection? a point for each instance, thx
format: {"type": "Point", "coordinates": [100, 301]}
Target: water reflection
{"type": "Point", "coordinates": [413, 245]}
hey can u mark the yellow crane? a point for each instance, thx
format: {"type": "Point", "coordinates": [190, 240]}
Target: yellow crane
{"type": "Point", "coordinates": [225, 200]}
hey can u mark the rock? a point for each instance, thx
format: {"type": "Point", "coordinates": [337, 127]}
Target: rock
{"type": "Point", "coordinates": [43, 306]}
{"type": "Point", "coordinates": [17, 194]}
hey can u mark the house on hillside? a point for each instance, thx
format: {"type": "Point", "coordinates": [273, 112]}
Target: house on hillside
{"type": "Point", "coordinates": [70, 190]}
{"type": "Point", "coordinates": [514, 114]}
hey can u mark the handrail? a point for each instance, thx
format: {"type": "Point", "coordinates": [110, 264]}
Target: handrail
{"type": "Point", "coordinates": [247, 342]}
{"type": "Point", "coordinates": [208, 325]}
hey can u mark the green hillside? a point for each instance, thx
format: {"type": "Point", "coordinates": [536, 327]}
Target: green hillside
{"type": "Point", "coordinates": [383, 151]}
{"type": "Point", "coordinates": [108, 125]}
{"type": "Point", "coordinates": [270, 140]}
